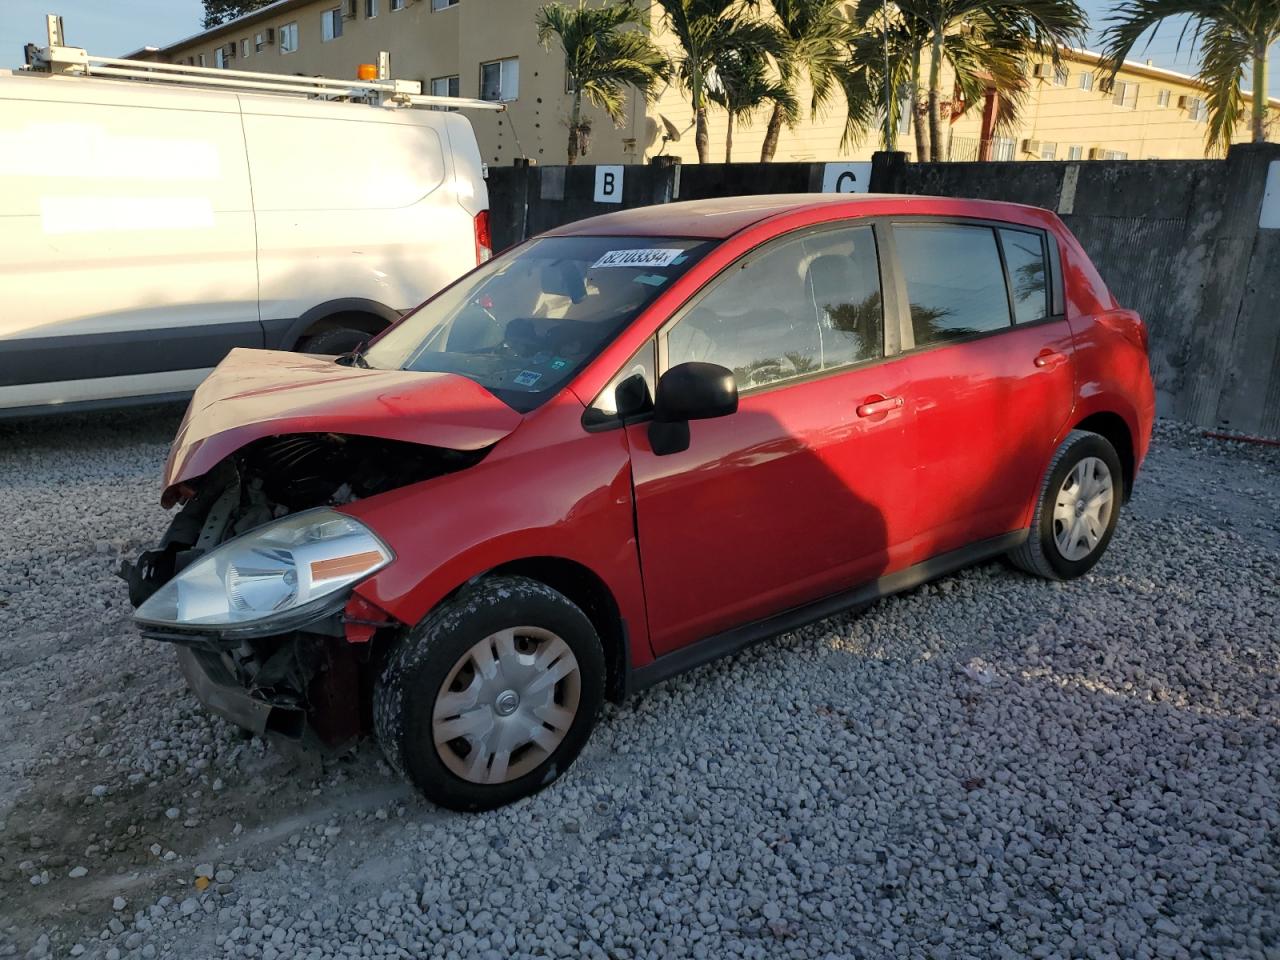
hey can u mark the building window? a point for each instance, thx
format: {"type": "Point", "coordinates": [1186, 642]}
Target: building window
{"type": "Point", "coordinates": [444, 86]}
{"type": "Point", "coordinates": [1162, 98]}
{"type": "Point", "coordinates": [1060, 76]}
{"type": "Point", "coordinates": [289, 37]}
{"type": "Point", "coordinates": [1075, 153]}
{"type": "Point", "coordinates": [244, 48]}
{"type": "Point", "coordinates": [259, 42]}
{"type": "Point", "coordinates": [1197, 109]}
{"type": "Point", "coordinates": [1125, 94]}
{"type": "Point", "coordinates": [500, 80]}
{"type": "Point", "coordinates": [202, 60]}
{"type": "Point", "coordinates": [331, 24]}
{"type": "Point", "coordinates": [397, 5]}
{"type": "Point", "coordinates": [1115, 155]}
{"type": "Point", "coordinates": [1086, 81]}
{"type": "Point", "coordinates": [370, 9]}
{"type": "Point", "coordinates": [220, 58]}
{"type": "Point", "coordinates": [569, 85]}
{"type": "Point", "coordinates": [1048, 151]}
{"type": "Point", "coordinates": [443, 4]}
{"type": "Point", "coordinates": [1003, 148]}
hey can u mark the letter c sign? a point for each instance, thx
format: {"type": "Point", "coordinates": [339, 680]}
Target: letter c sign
{"type": "Point", "coordinates": [609, 184]}
{"type": "Point", "coordinates": [846, 177]}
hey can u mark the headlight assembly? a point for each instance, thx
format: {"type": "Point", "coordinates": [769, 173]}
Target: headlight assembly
{"type": "Point", "coordinates": [275, 578]}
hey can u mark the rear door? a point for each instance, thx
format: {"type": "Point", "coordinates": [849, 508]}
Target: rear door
{"type": "Point", "coordinates": [990, 371]}
{"type": "Point", "coordinates": [805, 491]}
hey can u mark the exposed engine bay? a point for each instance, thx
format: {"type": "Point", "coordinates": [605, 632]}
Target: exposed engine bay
{"type": "Point", "coordinates": [295, 675]}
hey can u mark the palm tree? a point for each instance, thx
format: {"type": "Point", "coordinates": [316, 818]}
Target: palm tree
{"type": "Point", "coordinates": [1233, 35]}
{"type": "Point", "coordinates": [742, 83]}
{"type": "Point", "coordinates": [816, 35]}
{"type": "Point", "coordinates": [709, 31]}
{"type": "Point", "coordinates": [601, 59]}
{"type": "Point", "coordinates": [984, 41]}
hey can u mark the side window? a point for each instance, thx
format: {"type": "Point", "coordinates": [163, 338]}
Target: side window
{"type": "Point", "coordinates": [642, 367]}
{"type": "Point", "coordinates": [797, 307]}
{"type": "Point", "coordinates": [955, 281]}
{"type": "Point", "coordinates": [1024, 258]}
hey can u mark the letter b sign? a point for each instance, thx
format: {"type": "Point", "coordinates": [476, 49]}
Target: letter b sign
{"type": "Point", "coordinates": [609, 184]}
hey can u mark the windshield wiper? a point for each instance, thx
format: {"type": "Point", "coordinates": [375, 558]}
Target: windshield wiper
{"type": "Point", "coordinates": [354, 359]}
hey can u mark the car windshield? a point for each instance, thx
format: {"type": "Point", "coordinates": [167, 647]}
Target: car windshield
{"type": "Point", "coordinates": [527, 321]}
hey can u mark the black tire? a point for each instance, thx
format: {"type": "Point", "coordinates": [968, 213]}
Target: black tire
{"type": "Point", "coordinates": [334, 342]}
{"type": "Point", "coordinates": [406, 691]}
{"type": "Point", "coordinates": [1040, 554]}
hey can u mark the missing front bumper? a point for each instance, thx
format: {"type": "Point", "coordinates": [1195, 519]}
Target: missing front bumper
{"type": "Point", "coordinates": [217, 689]}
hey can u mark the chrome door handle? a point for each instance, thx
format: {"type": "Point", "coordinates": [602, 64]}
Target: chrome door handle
{"type": "Point", "coordinates": [882, 406]}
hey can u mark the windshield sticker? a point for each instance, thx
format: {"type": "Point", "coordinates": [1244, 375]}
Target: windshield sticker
{"type": "Point", "coordinates": [527, 378]}
{"type": "Point", "coordinates": [652, 279]}
{"type": "Point", "coordinates": [559, 363]}
{"type": "Point", "coordinates": [655, 257]}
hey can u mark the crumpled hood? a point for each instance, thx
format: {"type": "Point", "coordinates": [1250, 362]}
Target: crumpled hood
{"type": "Point", "coordinates": [261, 393]}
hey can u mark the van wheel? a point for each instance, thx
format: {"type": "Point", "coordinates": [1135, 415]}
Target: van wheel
{"type": "Point", "coordinates": [492, 696]}
{"type": "Point", "coordinates": [333, 342]}
{"type": "Point", "coordinates": [1076, 510]}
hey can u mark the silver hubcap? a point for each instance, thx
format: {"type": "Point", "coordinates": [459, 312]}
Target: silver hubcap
{"type": "Point", "coordinates": [1083, 509]}
{"type": "Point", "coordinates": [506, 705]}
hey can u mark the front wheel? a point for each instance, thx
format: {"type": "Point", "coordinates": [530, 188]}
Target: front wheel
{"type": "Point", "coordinates": [491, 697]}
{"type": "Point", "coordinates": [1076, 510]}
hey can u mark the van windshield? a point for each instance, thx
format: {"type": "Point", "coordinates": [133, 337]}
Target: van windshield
{"type": "Point", "coordinates": [524, 323]}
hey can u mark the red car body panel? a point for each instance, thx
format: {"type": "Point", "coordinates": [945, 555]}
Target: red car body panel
{"type": "Point", "coordinates": [793, 498]}
{"type": "Point", "coordinates": [259, 393]}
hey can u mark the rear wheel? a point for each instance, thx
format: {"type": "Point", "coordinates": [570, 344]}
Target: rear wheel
{"type": "Point", "coordinates": [1076, 510]}
{"type": "Point", "coordinates": [492, 696]}
{"type": "Point", "coordinates": [336, 341]}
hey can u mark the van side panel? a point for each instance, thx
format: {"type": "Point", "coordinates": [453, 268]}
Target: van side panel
{"type": "Point", "coordinates": [354, 204]}
{"type": "Point", "coordinates": [126, 242]}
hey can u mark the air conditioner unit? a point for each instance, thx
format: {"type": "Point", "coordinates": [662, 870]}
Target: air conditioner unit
{"type": "Point", "coordinates": [1097, 153]}
{"type": "Point", "coordinates": [1043, 70]}
{"type": "Point", "coordinates": [1031, 146]}
{"type": "Point", "coordinates": [1186, 102]}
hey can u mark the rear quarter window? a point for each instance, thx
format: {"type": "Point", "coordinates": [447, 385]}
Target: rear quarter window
{"type": "Point", "coordinates": [314, 163]}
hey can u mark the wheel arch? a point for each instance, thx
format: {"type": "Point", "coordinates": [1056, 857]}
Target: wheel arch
{"type": "Point", "coordinates": [359, 313]}
{"type": "Point", "coordinates": [1113, 428]}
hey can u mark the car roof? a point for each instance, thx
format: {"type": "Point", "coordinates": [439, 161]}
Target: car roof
{"type": "Point", "coordinates": [722, 217]}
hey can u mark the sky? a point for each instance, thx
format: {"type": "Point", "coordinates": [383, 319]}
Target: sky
{"type": "Point", "coordinates": [117, 27]}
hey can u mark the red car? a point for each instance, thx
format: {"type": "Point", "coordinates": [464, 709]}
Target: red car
{"type": "Point", "coordinates": [629, 446]}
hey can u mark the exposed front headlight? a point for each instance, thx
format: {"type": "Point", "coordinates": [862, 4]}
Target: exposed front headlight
{"type": "Point", "coordinates": [274, 578]}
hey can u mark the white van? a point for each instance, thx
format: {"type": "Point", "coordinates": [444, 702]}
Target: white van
{"type": "Point", "coordinates": [146, 229]}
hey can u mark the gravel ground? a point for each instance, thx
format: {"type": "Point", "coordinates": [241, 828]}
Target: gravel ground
{"type": "Point", "coordinates": [989, 766]}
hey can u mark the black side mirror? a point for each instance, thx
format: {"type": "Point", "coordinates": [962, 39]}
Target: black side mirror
{"type": "Point", "coordinates": [689, 391]}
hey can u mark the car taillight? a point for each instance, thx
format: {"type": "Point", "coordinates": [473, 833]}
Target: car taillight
{"type": "Point", "coordinates": [484, 239]}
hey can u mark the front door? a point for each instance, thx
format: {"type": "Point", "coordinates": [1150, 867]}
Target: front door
{"type": "Point", "coordinates": [805, 490]}
{"type": "Point", "coordinates": [991, 380]}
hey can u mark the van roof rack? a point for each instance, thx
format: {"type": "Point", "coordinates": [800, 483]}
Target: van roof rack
{"type": "Point", "coordinates": [384, 91]}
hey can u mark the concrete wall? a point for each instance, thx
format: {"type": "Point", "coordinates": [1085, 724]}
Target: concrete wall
{"type": "Point", "coordinates": [1179, 241]}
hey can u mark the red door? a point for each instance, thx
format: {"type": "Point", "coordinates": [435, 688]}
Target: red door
{"type": "Point", "coordinates": [988, 409]}
{"type": "Point", "coordinates": [792, 498]}
{"type": "Point", "coordinates": [806, 490]}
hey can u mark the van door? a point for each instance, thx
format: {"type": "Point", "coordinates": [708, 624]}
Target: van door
{"type": "Point", "coordinates": [127, 253]}
{"type": "Point", "coordinates": [991, 376]}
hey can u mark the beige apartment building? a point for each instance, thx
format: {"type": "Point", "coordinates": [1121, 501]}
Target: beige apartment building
{"type": "Point", "coordinates": [489, 49]}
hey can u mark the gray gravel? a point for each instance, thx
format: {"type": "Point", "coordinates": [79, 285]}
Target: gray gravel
{"type": "Point", "coordinates": [990, 766]}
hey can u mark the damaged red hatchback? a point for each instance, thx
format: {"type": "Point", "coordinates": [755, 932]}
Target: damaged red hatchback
{"type": "Point", "coordinates": [629, 446]}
